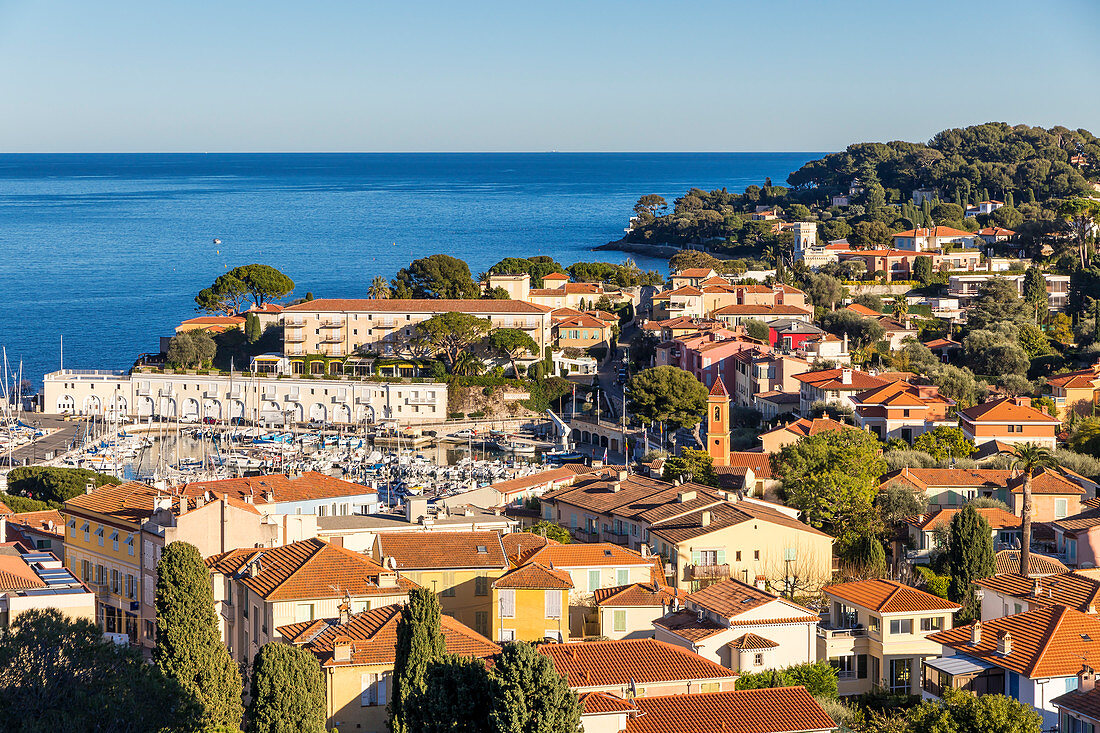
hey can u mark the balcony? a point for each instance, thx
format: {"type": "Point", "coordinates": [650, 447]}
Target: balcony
{"type": "Point", "coordinates": [708, 572]}
{"type": "Point", "coordinates": [840, 642]}
{"type": "Point", "coordinates": [421, 400]}
{"type": "Point", "coordinates": [210, 394]}
{"type": "Point", "coordinates": [332, 324]}
{"type": "Point", "coordinates": [142, 391]}
{"type": "Point", "coordinates": [583, 535]}
{"type": "Point", "coordinates": [334, 352]}
{"type": "Point", "coordinates": [294, 338]}
{"type": "Point", "coordinates": [294, 322]}
{"type": "Point", "coordinates": [610, 535]}
{"type": "Point", "coordinates": [299, 351]}
{"type": "Point", "coordinates": [333, 338]}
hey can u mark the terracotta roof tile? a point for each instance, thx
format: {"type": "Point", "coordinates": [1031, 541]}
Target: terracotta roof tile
{"type": "Point", "coordinates": [1008, 561]}
{"type": "Point", "coordinates": [1005, 410]}
{"type": "Point", "coordinates": [765, 710]}
{"type": "Point", "coordinates": [586, 555]}
{"type": "Point", "coordinates": [1079, 589]}
{"type": "Point", "coordinates": [998, 518]}
{"type": "Point", "coordinates": [730, 598]}
{"type": "Point", "coordinates": [635, 595]}
{"type": "Point", "coordinates": [519, 546]}
{"type": "Point", "coordinates": [1048, 642]}
{"type": "Point", "coordinates": [535, 576]}
{"type": "Point", "coordinates": [1046, 481]}
{"type": "Point", "coordinates": [833, 379]}
{"type": "Point", "coordinates": [686, 624]}
{"type": "Point", "coordinates": [373, 637]}
{"type": "Point", "coordinates": [752, 641]}
{"type": "Point", "coordinates": [887, 596]}
{"type": "Point", "coordinates": [760, 463]}
{"type": "Point", "coordinates": [40, 521]}
{"type": "Point", "coordinates": [938, 231]}
{"type": "Point", "coordinates": [620, 662]}
{"type": "Point", "coordinates": [307, 569]}
{"type": "Point", "coordinates": [1086, 703]}
{"type": "Point", "coordinates": [282, 488]}
{"type": "Point", "coordinates": [600, 703]}
{"type": "Point", "coordinates": [428, 550]}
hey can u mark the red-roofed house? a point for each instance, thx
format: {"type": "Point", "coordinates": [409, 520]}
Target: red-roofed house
{"type": "Point", "coordinates": [766, 710]}
{"type": "Point", "coordinates": [992, 235]}
{"type": "Point", "coordinates": [1077, 391]}
{"type": "Point", "coordinates": [877, 634]}
{"type": "Point", "coordinates": [1004, 526]}
{"type": "Point", "coordinates": [928, 240]}
{"type": "Point", "coordinates": [901, 410]}
{"type": "Point", "coordinates": [774, 440]}
{"type": "Point", "coordinates": [836, 386]}
{"type": "Point", "coordinates": [898, 264]}
{"type": "Point", "coordinates": [1031, 657]}
{"type": "Point", "coordinates": [1009, 420]}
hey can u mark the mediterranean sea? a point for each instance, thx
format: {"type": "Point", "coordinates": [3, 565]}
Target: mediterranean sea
{"type": "Point", "coordinates": [109, 250]}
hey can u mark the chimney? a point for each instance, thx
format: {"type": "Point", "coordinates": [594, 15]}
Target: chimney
{"type": "Point", "coordinates": [616, 487]}
{"type": "Point", "coordinates": [3, 529]}
{"type": "Point", "coordinates": [183, 504]}
{"type": "Point", "coordinates": [705, 520]}
{"type": "Point", "coordinates": [1004, 644]}
{"type": "Point", "coordinates": [89, 487]}
{"type": "Point", "coordinates": [1022, 401]}
{"type": "Point", "coordinates": [1036, 590]}
{"type": "Point", "coordinates": [345, 611]}
{"type": "Point", "coordinates": [623, 474]}
{"type": "Point", "coordinates": [976, 633]}
{"type": "Point", "coordinates": [341, 649]}
{"type": "Point", "coordinates": [845, 376]}
{"type": "Point", "coordinates": [1086, 679]}
{"type": "Point", "coordinates": [685, 496]}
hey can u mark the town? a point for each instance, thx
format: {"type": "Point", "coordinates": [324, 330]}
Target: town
{"type": "Point", "coordinates": [838, 470]}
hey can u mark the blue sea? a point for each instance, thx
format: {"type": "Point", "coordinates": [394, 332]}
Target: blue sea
{"type": "Point", "coordinates": [109, 250]}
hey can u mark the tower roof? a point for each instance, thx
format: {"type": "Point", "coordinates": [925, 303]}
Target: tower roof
{"type": "Point", "coordinates": [719, 388]}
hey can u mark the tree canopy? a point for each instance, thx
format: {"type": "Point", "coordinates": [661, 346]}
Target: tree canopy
{"type": "Point", "coordinates": [529, 696]}
{"type": "Point", "coordinates": [667, 394]}
{"type": "Point", "coordinates": [452, 333]}
{"type": "Point", "coordinates": [190, 349]}
{"type": "Point", "coordinates": [288, 691]}
{"type": "Point", "coordinates": [513, 343]}
{"type": "Point", "coordinates": [970, 557]}
{"type": "Point", "coordinates": [537, 267]}
{"type": "Point", "coordinates": [437, 276]}
{"type": "Point", "coordinates": [419, 643]}
{"type": "Point", "coordinates": [944, 442]}
{"type": "Point", "coordinates": [54, 484]}
{"type": "Point", "coordinates": [696, 463]}
{"type": "Point", "coordinates": [230, 292]}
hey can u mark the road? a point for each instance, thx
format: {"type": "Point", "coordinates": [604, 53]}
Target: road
{"type": "Point", "coordinates": [54, 444]}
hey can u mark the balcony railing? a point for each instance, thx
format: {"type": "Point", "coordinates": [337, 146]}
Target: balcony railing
{"type": "Point", "coordinates": [332, 324]}
{"type": "Point", "coordinates": [827, 632]}
{"type": "Point", "coordinates": [708, 572]}
{"type": "Point", "coordinates": [294, 338]}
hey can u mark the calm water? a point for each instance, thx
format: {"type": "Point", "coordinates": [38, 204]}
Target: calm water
{"type": "Point", "coordinates": [109, 250]}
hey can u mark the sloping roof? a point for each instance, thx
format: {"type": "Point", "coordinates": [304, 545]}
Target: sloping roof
{"type": "Point", "coordinates": [1046, 481]}
{"type": "Point", "coordinates": [635, 595]}
{"type": "Point", "coordinates": [833, 379]}
{"type": "Point", "coordinates": [600, 703]}
{"type": "Point", "coordinates": [620, 662]}
{"type": "Point", "coordinates": [752, 641]}
{"type": "Point", "coordinates": [694, 272]}
{"type": "Point", "coordinates": [39, 521]}
{"type": "Point", "coordinates": [1085, 702]}
{"type": "Point", "coordinates": [887, 596]}
{"type": "Point", "coordinates": [862, 310]}
{"type": "Point", "coordinates": [282, 488]}
{"type": "Point", "coordinates": [923, 478]}
{"type": "Point", "coordinates": [730, 598]}
{"type": "Point", "coordinates": [939, 231]}
{"type": "Point", "coordinates": [1084, 520]}
{"type": "Point", "coordinates": [807, 426]}
{"type": "Point", "coordinates": [764, 710]}
{"type": "Point", "coordinates": [521, 483]}
{"type": "Point", "coordinates": [129, 501]}
{"type": "Point", "coordinates": [898, 394]}
{"type": "Point", "coordinates": [417, 305]}
{"type": "Point", "coordinates": [943, 343]}
{"type": "Point", "coordinates": [16, 574]}
{"type": "Point", "coordinates": [373, 637]}
{"type": "Point", "coordinates": [686, 624]}
{"type": "Point", "coordinates": [1008, 561]}
{"type": "Point", "coordinates": [1048, 642]}
{"type": "Point", "coordinates": [519, 546]}
{"type": "Point", "coordinates": [306, 569]}
{"type": "Point", "coordinates": [718, 389]}
{"type": "Point", "coordinates": [588, 554]}
{"type": "Point", "coordinates": [534, 575]}
{"type": "Point", "coordinates": [1079, 589]}
{"type": "Point", "coordinates": [1006, 409]}
{"type": "Point", "coordinates": [998, 518]}
{"type": "Point", "coordinates": [428, 550]}
{"type": "Point", "coordinates": [760, 463]}
{"type": "Point", "coordinates": [689, 526]}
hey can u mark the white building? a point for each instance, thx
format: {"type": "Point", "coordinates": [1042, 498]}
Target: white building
{"type": "Point", "coordinates": [194, 397]}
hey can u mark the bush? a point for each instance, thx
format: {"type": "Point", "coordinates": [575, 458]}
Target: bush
{"type": "Point", "coordinates": [819, 679]}
{"type": "Point", "coordinates": [54, 485]}
{"type": "Point", "coordinates": [20, 504]}
{"type": "Point", "coordinates": [456, 415]}
{"type": "Point", "coordinates": [937, 585]}
{"type": "Point", "coordinates": [476, 415]}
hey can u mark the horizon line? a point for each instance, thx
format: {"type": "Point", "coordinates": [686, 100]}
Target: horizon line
{"type": "Point", "coordinates": [418, 152]}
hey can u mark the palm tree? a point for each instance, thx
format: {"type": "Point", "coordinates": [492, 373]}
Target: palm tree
{"type": "Point", "coordinates": [379, 288]}
{"type": "Point", "coordinates": [467, 365]}
{"type": "Point", "coordinates": [900, 306]}
{"type": "Point", "coordinates": [1027, 458]}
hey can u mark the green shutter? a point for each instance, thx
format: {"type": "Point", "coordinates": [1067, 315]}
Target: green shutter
{"type": "Point", "coordinates": [721, 557]}
{"type": "Point", "coordinates": [694, 557]}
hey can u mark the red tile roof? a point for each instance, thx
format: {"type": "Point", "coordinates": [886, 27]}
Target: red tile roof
{"type": "Point", "coordinates": [635, 595]}
{"type": "Point", "coordinates": [686, 624]}
{"type": "Point", "coordinates": [1079, 589]}
{"type": "Point", "coordinates": [694, 272]}
{"type": "Point", "coordinates": [1046, 481]}
{"type": "Point", "coordinates": [939, 231]}
{"type": "Point", "coordinates": [730, 598]}
{"type": "Point", "coordinates": [718, 389]}
{"type": "Point", "coordinates": [765, 710]}
{"type": "Point", "coordinates": [1006, 410]}
{"type": "Point", "coordinates": [432, 550]}
{"type": "Point", "coordinates": [1008, 561]}
{"type": "Point", "coordinates": [752, 641]}
{"type": "Point", "coordinates": [760, 463]}
{"type": "Point", "coordinates": [586, 555]}
{"type": "Point", "coordinates": [306, 570]}
{"type": "Point", "coordinates": [1084, 702]}
{"type": "Point", "coordinates": [833, 380]}
{"type": "Point", "coordinates": [887, 596]}
{"type": "Point", "coordinates": [862, 310]}
{"type": "Point", "coordinates": [278, 487]}
{"type": "Point", "coordinates": [1048, 642]}
{"type": "Point", "coordinates": [373, 637]}
{"type": "Point", "coordinates": [998, 518]}
{"type": "Point", "coordinates": [535, 576]}
{"type": "Point", "coordinates": [601, 703]}
{"type": "Point", "coordinates": [618, 663]}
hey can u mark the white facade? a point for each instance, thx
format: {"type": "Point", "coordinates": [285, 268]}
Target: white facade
{"type": "Point", "coordinates": [275, 400]}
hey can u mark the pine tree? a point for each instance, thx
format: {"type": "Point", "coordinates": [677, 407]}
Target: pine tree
{"type": "Point", "coordinates": [189, 648]}
{"type": "Point", "coordinates": [419, 642]}
{"type": "Point", "coordinates": [529, 696]}
{"type": "Point", "coordinates": [969, 557]}
{"type": "Point", "coordinates": [288, 691]}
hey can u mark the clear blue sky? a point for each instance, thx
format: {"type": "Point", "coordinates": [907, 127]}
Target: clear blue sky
{"type": "Point", "coordinates": [768, 75]}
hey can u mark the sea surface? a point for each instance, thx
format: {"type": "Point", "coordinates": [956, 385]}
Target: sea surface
{"type": "Point", "coordinates": [110, 250]}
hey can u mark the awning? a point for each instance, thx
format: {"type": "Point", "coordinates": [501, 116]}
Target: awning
{"type": "Point", "coordinates": [959, 664]}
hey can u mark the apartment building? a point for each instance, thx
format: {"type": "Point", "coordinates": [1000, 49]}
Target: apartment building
{"type": "Point", "coordinates": [259, 590]}
{"type": "Point", "coordinates": [336, 328]}
{"type": "Point", "coordinates": [1077, 391]}
{"type": "Point", "coordinates": [758, 371]}
{"type": "Point", "coordinates": [1008, 420]}
{"type": "Point", "coordinates": [357, 656]}
{"type": "Point", "coordinates": [459, 567]}
{"type": "Point", "coordinates": [901, 410]}
{"type": "Point", "coordinates": [531, 603]}
{"type": "Point", "coordinates": [965, 287]}
{"type": "Point", "coordinates": [878, 634]}
{"type": "Point", "coordinates": [933, 239]}
{"type": "Point", "coordinates": [32, 581]}
{"type": "Point", "coordinates": [116, 534]}
{"type": "Point", "coordinates": [195, 397]}
{"type": "Point", "coordinates": [40, 531]}
{"type": "Point", "coordinates": [1004, 529]}
{"type": "Point", "coordinates": [838, 386]}
{"type": "Point", "coordinates": [741, 627]}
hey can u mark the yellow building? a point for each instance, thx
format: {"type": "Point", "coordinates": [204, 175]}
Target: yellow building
{"type": "Point", "coordinates": [531, 603]}
{"type": "Point", "coordinates": [357, 654]}
{"type": "Point", "coordinates": [115, 535]}
{"type": "Point", "coordinates": [876, 634]}
{"type": "Point", "coordinates": [1076, 391]}
{"type": "Point", "coordinates": [258, 590]}
{"type": "Point", "coordinates": [459, 567]}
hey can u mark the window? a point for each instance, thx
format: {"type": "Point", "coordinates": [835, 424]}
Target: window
{"type": "Point", "coordinates": [448, 584]}
{"type": "Point", "coordinates": [756, 554]}
{"type": "Point", "coordinates": [619, 621]}
{"type": "Point", "coordinates": [1074, 725]}
{"type": "Point", "coordinates": [373, 688]}
{"type": "Point", "coordinates": [481, 622]}
{"type": "Point", "coordinates": [72, 528]}
{"type": "Point", "coordinates": [507, 635]}
{"type": "Point", "coordinates": [738, 556]}
{"type": "Point", "coordinates": [714, 686]}
{"type": "Point", "coordinates": [84, 528]}
{"type": "Point", "coordinates": [900, 675]}
{"type": "Point", "coordinates": [758, 659]}
{"type": "Point", "coordinates": [934, 623]}
{"type": "Point", "coordinates": [130, 587]}
{"type": "Point", "coordinates": [116, 582]}
{"type": "Point", "coordinates": [1061, 508]}
{"type": "Point", "coordinates": [845, 666]}
{"type": "Point", "coordinates": [593, 580]}
{"type": "Point", "coordinates": [508, 603]}
{"type": "Point", "coordinates": [303, 612]}
{"type": "Point", "coordinates": [99, 534]}
{"type": "Point", "coordinates": [481, 585]}
{"type": "Point", "coordinates": [874, 623]}
{"type": "Point", "coordinates": [552, 602]}
{"type": "Point", "coordinates": [622, 576]}
{"type": "Point", "coordinates": [130, 545]}
{"type": "Point", "coordinates": [114, 540]}
{"type": "Point", "coordinates": [901, 626]}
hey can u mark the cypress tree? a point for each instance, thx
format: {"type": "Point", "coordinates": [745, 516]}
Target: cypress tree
{"type": "Point", "coordinates": [969, 557]}
{"type": "Point", "coordinates": [252, 330]}
{"type": "Point", "coordinates": [1031, 195]}
{"type": "Point", "coordinates": [529, 696]}
{"type": "Point", "coordinates": [288, 691]}
{"type": "Point", "coordinates": [419, 642]}
{"type": "Point", "coordinates": [1009, 201]}
{"type": "Point", "coordinates": [189, 648]}
{"type": "Point", "coordinates": [456, 698]}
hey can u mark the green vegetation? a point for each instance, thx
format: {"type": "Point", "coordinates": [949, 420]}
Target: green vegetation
{"type": "Point", "coordinates": [20, 504]}
{"type": "Point", "coordinates": [625, 275]}
{"type": "Point", "coordinates": [513, 343]}
{"type": "Point", "coordinates": [288, 691]}
{"type": "Point", "coordinates": [667, 394]}
{"type": "Point", "coordinates": [944, 442]}
{"type": "Point", "coordinates": [697, 464]}
{"type": "Point", "coordinates": [189, 648]}
{"type": "Point", "coordinates": [230, 293]}
{"type": "Point", "coordinates": [191, 349]}
{"type": "Point", "coordinates": [435, 276]}
{"type": "Point", "coordinates": [959, 712]}
{"type": "Point", "coordinates": [53, 485]}
{"type": "Point", "coordinates": [453, 333]}
{"type": "Point", "coordinates": [58, 674]}
{"type": "Point", "coordinates": [969, 556]}
{"type": "Point", "coordinates": [537, 267]}
{"type": "Point", "coordinates": [819, 679]}
{"type": "Point", "coordinates": [419, 642]}
{"type": "Point", "coordinates": [551, 531]}
{"type": "Point", "coordinates": [529, 695]}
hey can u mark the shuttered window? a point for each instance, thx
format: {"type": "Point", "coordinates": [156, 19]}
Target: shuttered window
{"type": "Point", "coordinates": [622, 576]}
{"type": "Point", "coordinates": [620, 621]}
{"type": "Point", "coordinates": [508, 603]}
{"type": "Point", "coordinates": [553, 603]}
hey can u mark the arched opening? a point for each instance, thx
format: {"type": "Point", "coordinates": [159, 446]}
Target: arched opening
{"type": "Point", "coordinates": [66, 403]}
{"type": "Point", "coordinates": [334, 367]}
{"type": "Point", "coordinates": [212, 409]}
{"type": "Point", "coordinates": [317, 367]}
{"type": "Point", "coordinates": [145, 406]}
{"type": "Point", "coordinates": [603, 441]}
{"type": "Point", "coordinates": [92, 405]}
{"type": "Point", "coordinates": [342, 413]}
{"type": "Point", "coordinates": [317, 411]}
{"type": "Point", "coordinates": [576, 435]}
{"type": "Point", "coordinates": [236, 409]}
{"type": "Point", "coordinates": [190, 409]}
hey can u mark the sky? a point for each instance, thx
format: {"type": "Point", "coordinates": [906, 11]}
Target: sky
{"type": "Point", "coordinates": [770, 75]}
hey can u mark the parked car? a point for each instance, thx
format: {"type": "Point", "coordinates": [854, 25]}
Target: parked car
{"type": "Point", "coordinates": [209, 421]}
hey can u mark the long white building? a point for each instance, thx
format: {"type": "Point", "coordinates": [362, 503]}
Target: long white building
{"type": "Point", "coordinates": [271, 399]}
